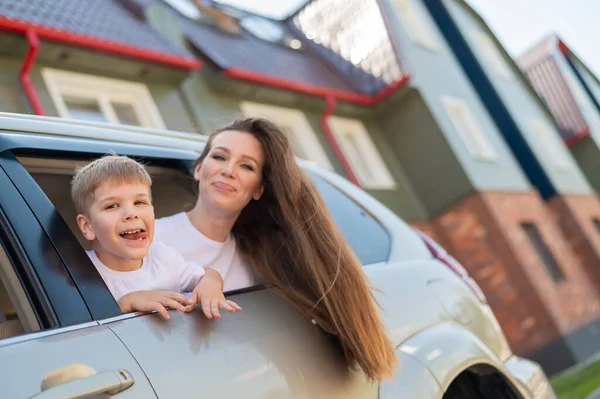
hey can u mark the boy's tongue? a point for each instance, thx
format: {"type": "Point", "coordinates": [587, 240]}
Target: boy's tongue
{"type": "Point", "coordinates": [135, 236]}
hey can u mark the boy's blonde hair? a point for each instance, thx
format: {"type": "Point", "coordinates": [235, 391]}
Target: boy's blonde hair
{"type": "Point", "coordinates": [113, 167]}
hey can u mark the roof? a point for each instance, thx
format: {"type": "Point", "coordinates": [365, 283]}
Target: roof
{"type": "Point", "coordinates": [259, 56]}
{"type": "Point", "coordinates": [100, 24]}
{"type": "Point", "coordinates": [314, 70]}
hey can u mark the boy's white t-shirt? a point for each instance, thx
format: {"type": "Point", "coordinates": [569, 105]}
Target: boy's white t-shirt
{"type": "Point", "coordinates": [162, 269]}
{"type": "Point", "coordinates": [179, 233]}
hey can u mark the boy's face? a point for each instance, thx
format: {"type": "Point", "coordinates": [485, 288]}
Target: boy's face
{"type": "Point", "coordinates": [120, 223]}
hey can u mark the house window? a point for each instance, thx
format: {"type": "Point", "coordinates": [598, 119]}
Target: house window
{"type": "Point", "coordinates": [414, 23]}
{"type": "Point", "coordinates": [469, 130]}
{"type": "Point", "coordinates": [543, 252]}
{"type": "Point", "coordinates": [185, 7]}
{"type": "Point", "coordinates": [492, 55]}
{"type": "Point", "coordinates": [551, 143]}
{"type": "Point", "coordinates": [363, 157]}
{"type": "Point", "coordinates": [302, 137]}
{"type": "Point", "coordinates": [93, 98]}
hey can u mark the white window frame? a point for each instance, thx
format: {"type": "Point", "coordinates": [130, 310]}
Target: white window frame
{"type": "Point", "coordinates": [492, 54]}
{"type": "Point", "coordinates": [303, 133]}
{"type": "Point", "coordinates": [103, 91]}
{"type": "Point", "coordinates": [415, 24]}
{"type": "Point", "coordinates": [474, 138]}
{"type": "Point", "coordinates": [551, 143]}
{"type": "Point", "coordinates": [361, 153]}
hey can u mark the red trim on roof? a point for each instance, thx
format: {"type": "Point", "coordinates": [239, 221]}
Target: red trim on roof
{"type": "Point", "coordinates": [562, 47]}
{"type": "Point", "coordinates": [291, 85]}
{"type": "Point", "coordinates": [388, 90]}
{"type": "Point", "coordinates": [313, 89]}
{"type": "Point", "coordinates": [79, 39]}
{"type": "Point", "coordinates": [577, 137]}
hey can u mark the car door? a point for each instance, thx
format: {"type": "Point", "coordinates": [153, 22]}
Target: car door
{"type": "Point", "coordinates": [47, 335]}
{"type": "Point", "coordinates": [268, 350]}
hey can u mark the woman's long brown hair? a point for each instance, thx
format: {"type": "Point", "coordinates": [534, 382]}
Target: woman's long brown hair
{"type": "Point", "coordinates": [290, 241]}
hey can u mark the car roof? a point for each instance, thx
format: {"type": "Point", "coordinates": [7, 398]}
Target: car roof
{"type": "Point", "coordinates": [33, 132]}
{"type": "Point", "coordinates": [19, 131]}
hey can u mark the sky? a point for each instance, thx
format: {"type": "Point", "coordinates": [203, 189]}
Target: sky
{"type": "Point", "coordinates": [518, 24]}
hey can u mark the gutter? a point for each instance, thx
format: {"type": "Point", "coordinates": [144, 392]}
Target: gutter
{"type": "Point", "coordinates": [343, 95]}
{"type": "Point", "coordinates": [30, 93]}
{"type": "Point", "coordinates": [92, 42]}
{"type": "Point", "coordinates": [333, 142]}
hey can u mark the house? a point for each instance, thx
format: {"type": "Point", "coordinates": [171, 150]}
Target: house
{"type": "Point", "coordinates": [374, 90]}
{"type": "Point", "coordinates": [90, 60]}
{"type": "Point", "coordinates": [532, 133]}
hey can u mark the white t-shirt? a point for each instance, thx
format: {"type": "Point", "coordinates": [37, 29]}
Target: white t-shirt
{"type": "Point", "coordinates": [162, 269]}
{"type": "Point", "coordinates": [179, 233]}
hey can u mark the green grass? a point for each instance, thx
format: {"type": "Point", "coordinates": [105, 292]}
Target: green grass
{"type": "Point", "coordinates": [577, 384]}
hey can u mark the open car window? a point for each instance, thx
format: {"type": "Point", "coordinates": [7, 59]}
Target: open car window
{"type": "Point", "coordinates": [172, 190]}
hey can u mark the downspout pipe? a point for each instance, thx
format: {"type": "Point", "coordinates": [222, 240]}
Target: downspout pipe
{"type": "Point", "coordinates": [34, 101]}
{"type": "Point", "coordinates": [329, 108]}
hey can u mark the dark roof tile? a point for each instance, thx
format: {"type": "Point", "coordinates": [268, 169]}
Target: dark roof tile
{"type": "Point", "coordinates": [101, 19]}
{"type": "Point", "coordinates": [256, 55]}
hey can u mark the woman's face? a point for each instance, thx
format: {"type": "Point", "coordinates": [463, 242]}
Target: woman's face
{"type": "Point", "coordinates": [231, 174]}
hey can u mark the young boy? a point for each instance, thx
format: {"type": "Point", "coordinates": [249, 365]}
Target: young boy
{"type": "Point", "coordinates": [114, 205]}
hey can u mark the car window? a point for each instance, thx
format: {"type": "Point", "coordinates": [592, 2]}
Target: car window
{"type": "Point", "coordinates": [368, 238]}
{"type": "Point", "coordinates": [172, 192]}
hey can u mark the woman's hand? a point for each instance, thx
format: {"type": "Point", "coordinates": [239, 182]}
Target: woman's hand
{"type": "Point", "coordinates": [209, 294]}
{"type": "Point", "coordinates": [147, 301]}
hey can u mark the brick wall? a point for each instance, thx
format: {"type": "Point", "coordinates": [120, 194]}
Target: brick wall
{"type": "Point", "coordinates": [427, 228]}
{"type": "Point", "coordinates": [483, 231]}
{"type": "Point", "coordinates": [575, 216]}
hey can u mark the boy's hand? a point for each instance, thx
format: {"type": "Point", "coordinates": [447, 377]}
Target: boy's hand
{"type": "Point", "coordinates": [209, 294]}
{"type": "Point", "coordinates": [147, 301]}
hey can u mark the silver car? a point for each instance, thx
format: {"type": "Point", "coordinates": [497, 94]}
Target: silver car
{"type": "Point", "coordinates": [63, 336]}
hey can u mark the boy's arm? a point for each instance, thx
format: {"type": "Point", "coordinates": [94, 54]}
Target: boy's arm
{"type": "Point", "coordinates": [206, 283]}
{"type": "Point", "coordinates": [209, 294]}
{"type": "Point", "coordinates": [147, 301]}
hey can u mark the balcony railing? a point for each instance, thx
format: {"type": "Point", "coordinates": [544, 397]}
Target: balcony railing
{"type": "Point", "coordinates": [548, 82]}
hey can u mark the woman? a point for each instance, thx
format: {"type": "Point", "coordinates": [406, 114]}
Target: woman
{"type": "Point", "coordinates": [257, 213]}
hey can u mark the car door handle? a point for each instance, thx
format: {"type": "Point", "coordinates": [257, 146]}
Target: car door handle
{"type": "Point", "coordinates": [108, 382]}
